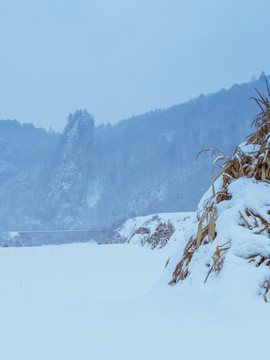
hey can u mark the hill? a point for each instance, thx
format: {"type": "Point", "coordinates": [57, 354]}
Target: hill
{"type": "Point", "coordinates": [95, 177]}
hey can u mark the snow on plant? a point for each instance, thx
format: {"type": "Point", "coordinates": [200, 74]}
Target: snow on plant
{"type": "Point", "coordinates": [235, 218]}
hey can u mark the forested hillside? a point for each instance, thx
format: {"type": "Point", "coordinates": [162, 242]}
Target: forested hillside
{"type": "Point", "coordinates": [97, 176]}
{"type": "Point", "coordinates": [148, 163]}
{"type": "Point", "coordinates": [25, 156]}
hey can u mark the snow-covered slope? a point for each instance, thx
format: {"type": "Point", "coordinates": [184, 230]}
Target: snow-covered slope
{"type": "Point", "coordinates": [154, 230]}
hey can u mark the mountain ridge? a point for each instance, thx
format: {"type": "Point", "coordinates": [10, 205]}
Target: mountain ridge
{"type": "Point", "coordinates": [142, 165]}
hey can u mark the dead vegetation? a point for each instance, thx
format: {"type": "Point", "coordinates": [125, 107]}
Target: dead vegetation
{"type": "Point", "coordinates": [161, 236]}
{"type": "Point", "coordinates": [112, 240]}
{"type": "Point", "coordinates": [158, 238]}
{"type": "Point", "coordinates": [142, 230]}
{"type": "Point", "coordinates": [251, 161]}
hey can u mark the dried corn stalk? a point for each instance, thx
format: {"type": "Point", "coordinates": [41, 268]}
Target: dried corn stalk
{"type": "Point", "coordinates": [205, 233]}
{"type": "Point", "coordinates": [218, 258]}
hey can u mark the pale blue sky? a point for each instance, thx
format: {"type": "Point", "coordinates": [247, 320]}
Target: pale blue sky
{"type": "Point", "coordinates": [124, 57]}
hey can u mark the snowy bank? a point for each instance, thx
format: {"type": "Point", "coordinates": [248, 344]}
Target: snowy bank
{"type": "Point", "coordinates": [154, 230]}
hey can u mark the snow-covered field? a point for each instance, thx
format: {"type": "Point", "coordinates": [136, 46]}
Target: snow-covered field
{"type": "Point", "coordinates": [86, 301]}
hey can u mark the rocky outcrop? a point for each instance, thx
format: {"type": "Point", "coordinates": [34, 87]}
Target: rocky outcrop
{"type": "Point", "coordinates": [65, 202]}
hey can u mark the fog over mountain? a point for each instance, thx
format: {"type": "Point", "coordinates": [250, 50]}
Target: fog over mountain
{"type": "Point", "coordinates": [95, 177]}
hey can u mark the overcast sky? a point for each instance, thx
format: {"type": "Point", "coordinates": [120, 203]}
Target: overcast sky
{"type": "Point", "coordinates": [119, 58]}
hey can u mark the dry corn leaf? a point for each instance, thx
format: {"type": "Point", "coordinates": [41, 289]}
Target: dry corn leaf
{"type": "Point", "coordinates": [246, 222]}
{"type": "Point", "coordinates": [266, 291]}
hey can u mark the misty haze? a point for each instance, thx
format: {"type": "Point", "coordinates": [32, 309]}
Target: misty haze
{"type": "Point", "coordinates": [134, 179]}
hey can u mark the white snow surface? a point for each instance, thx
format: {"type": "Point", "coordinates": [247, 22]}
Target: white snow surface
{"type": "Point", "coordinates": [88, 301]}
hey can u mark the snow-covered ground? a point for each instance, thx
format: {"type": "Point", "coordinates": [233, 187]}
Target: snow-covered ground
{"type": "Point", "coordinates": [88, 301]}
